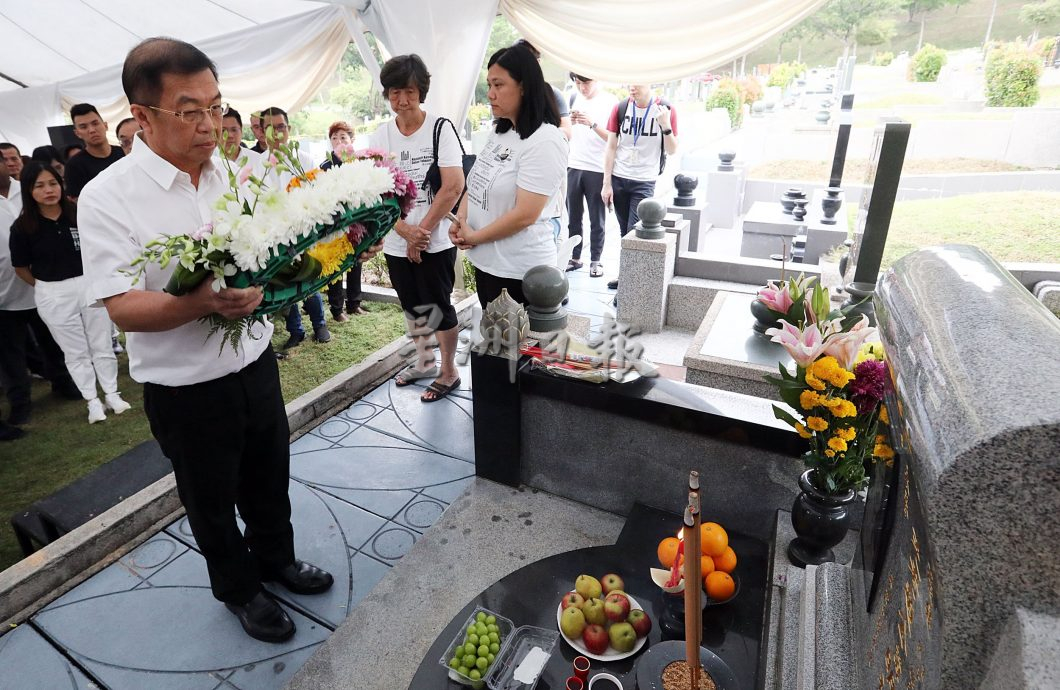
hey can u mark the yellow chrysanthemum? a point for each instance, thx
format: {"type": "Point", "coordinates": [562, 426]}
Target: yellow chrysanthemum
{"type": "Point", "coordinates": [828, 369]}
{"type": "Point", "coordinates": [816, 423]}
{"type": "Point", "coordinates": [830, 453]}
{"type": "Point", "coordinates": [845, 408]}
{"type": "Point", "coordinates": [884, 417]}
{"type": "Point", "coordinates": [837, 444]}
{"type": "Point", "coordinates": [802, 431]}
{"type": "Point", "coordinates": [814, 382]}
{"type": "Point", "coordinates": [809, 400]}
{"type": "Point", "coordinates": [846, 433]}
{"type": "Point", "coordinates": [883, 451]}
{"type": "Point", "coordinates": [331, 254]}
{"type": "Point", "coordinates": [830, 403]}
{"type": "Point", "coordinates": [881, 438]}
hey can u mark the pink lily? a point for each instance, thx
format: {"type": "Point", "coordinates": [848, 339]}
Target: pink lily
{"type": "Point", "coordinates": [844, 346]}
{"type": "Point", "coordinates": [804, 346]}
{"type": "Point", "coordinates": [244, 173]}
{"type": "Point", "coordinates": [776, 296]}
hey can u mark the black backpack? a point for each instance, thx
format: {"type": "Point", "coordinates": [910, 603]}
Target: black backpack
{"type": "Point", "coordinates": [432, 181]}
{"type": "Point", "coordinates": [662, 144]}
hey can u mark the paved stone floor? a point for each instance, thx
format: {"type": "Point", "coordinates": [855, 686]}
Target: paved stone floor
{"type": "Point", "coordinates": [365, 485]}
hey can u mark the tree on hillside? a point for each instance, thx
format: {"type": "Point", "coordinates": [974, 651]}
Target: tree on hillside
{"type": "Point", "coordinates": [502, 35]}
{"type": "Point", "coordinates": [841, 18]}
{"type": "Point", "coordinates": [875, 32]}
{"type": "Point", "coordinates": [921, 9]}
{"type": "Point", "coordinates": [796, 34]}
{"type": "Point", "coordinates": [1038, 14]}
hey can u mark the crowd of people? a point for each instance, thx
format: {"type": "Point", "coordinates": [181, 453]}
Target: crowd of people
{"type": "Point", "coordinates": [72, 222]}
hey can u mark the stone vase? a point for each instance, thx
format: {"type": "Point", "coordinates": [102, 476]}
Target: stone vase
{"type": "Point", "coordinates": [820, 520]}
{"type": "Point", "coordinates": [829, 206]}
{"type": "Point", "coordinates": [764, 317]}
{"type": "Point", "coordinates": [799, 212]}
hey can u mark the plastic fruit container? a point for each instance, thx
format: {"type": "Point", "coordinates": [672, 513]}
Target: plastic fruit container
{"type": "Point", "coordinates": [505, 628]}
{"type": "Point", "coordinates": [502, 673]}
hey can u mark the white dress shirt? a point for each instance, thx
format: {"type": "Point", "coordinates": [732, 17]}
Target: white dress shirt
{"type": "Point", "coordinates": [15, 293]}
{"type": "Point", "coordinates": [14, 198]}
{"type": "Point", "coordinates": [130, 203]}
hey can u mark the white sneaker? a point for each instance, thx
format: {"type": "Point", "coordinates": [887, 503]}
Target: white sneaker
{"type": "Point", "coordinates": [116, 346]}
{"type": "Point", "coordinates": [115, 403]}
{"type": "Point", "coordinates": [95, 411]}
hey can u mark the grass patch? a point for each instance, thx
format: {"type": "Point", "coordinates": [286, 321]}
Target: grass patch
{"type": "Point", "coordinates": [61, 445]}
{"type": "Point", "coordinates": [856, 169]}
{"type": "Point", "coordinates": [1010, 226]}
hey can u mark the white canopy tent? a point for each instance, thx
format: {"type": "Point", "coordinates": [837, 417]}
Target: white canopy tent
{"type": "Point", "coordinates": [282, 52]}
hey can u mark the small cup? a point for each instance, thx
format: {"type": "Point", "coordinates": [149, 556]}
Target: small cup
{"type": "Point", "coordinates": [575, 683]}
{"type": "Point", "coordinates": [606, 680]}
{"type": "Point", "coordinates": [581, 668]}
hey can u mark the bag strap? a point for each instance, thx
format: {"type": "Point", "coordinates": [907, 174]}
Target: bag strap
{"type": "Point", "coordinates": [438, 124]}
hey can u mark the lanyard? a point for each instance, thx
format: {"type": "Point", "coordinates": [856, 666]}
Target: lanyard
{"type": "Point", "coordinates": [637, 131]}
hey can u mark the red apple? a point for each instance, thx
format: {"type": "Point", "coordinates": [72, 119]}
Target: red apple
{"type": "Point", "coordinates": [572, 599]}
{"type": "Point", "coordinates": [640, 621]}
{"type": "Point", "coordinates": [616, 607]}
{"type": "Point", "coordinates": [611, 582]}
{"type": "Point", "coordinates": [595, 638]}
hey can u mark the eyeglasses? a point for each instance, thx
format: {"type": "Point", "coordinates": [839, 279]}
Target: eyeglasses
{"type": "Point", "coordinates": [195, 116]}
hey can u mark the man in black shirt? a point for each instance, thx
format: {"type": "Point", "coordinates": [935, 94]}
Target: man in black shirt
{"type": "Point", "coordinates": [90, 128]}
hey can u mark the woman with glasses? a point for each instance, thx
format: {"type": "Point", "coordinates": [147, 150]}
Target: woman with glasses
{"type": "Point", "coordinates": [46, 253]}
{"type": "Point", "coordinates": [504, 218]}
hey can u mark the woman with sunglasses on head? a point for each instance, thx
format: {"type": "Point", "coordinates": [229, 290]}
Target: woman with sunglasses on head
{"type": "Point", "coordinates": [504, 218]}
{"type": "Point", "coordinates": [46, 253]}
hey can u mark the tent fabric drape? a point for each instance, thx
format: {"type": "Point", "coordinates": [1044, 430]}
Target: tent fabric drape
{"type": "Point", "coordinates": [451, 37]}
{"type": "Point", "coordinates": [634, 41]}
{"type": "Point", "coordinates": [283, 63]}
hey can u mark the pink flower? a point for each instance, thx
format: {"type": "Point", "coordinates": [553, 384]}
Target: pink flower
{"type": "Point", "coordinates": [203, 232]}
{"type": "Point", "coordinates": [844, 346]}
{"type": "Point", "coordinates": [804, 346]}
{"type": "Point", "coordinates": [244, 173]}
{"type": "Point", "coordinates": [776, 296]}
{"type": "Point", "coordinates": [355, 233]}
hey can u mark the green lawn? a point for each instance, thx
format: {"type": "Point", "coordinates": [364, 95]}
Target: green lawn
{"type": "Point", "coordinates": [61, 446]}
{"type": "Point", "coordinates": [1010, 226]}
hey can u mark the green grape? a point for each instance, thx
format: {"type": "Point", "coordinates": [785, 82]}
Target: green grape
{"type": "Point", "coordinates": [494, 648]}
{"type": "Point", "coordinates": [470, 648]}
{"type": "Point", "coordinates": [490, 658]}
{"type": "Point", "coordinates": [492, 627]}
{"type": "Point", "coordinates": [482, 662]}
{"type": "Point", "coordinates": [480, 616]}
{"type": "Point", "coordinates": [473, 639]}
{"type": "Point", "coordinates": [463, 670]}
{"type": "Point", "coordinates": [494, 637]}
{"type": "Point", "coordinates": [481, 629]}
{"type": "Point", "coordinates": [469, 660]}
{"type": "Point", "coordinates": [454, 662]}
{"type": "Point", "coordinates": [483, 650]}
{"type": "Point", "coordinates": [474, 674]}
{"type": "Point", "coordinates": [491, 619]}
{"type": "Point", "coordinates": [472, 628]}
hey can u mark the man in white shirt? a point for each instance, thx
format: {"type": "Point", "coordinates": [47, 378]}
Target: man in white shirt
{"type": "Point", "coordinates": [591, 107]}
{"type": "Point", "coordinates": [126, 132]}
{"type": "Point", "coordinates": [217, 413]}
{"type": "Point", "coordinates": [12, 159]}
{"type": "Point", "coordinates": [231, 146]}
{"type": "Point", "coordinates": [277, 133]}
{"type": "Point", "coordinates": [642, 131]}
{"type": "Point", "coordinates": [10, 193]}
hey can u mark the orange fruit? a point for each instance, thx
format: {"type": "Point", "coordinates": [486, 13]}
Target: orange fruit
{"type": "Point", "coordinates": [713, 539]}
{"type": "Point", "coordinates": [706, 564]}
{"type": "Point", "coordinates": [668, 551]}
{"type": "Point", "coordinates": [726, 562]}
{"type": "Point", "coordinates": [719, 585]}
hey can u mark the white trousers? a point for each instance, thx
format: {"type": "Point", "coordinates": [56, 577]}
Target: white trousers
{"type": "Point", "coordinates": [82, 331]}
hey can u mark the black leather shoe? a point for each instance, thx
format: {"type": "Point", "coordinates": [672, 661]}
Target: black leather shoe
{"type": "Point", "coordinates": [612, 284]}
{"type": "Point", "coordinates": [263, 619]}
{"type": "Point", "coordinates": [301, 578]}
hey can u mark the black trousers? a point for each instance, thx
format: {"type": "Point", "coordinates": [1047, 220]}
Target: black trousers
{"type": "Point", "coordinates": [489, 286]}
{"type": "Point", "coordinates": [228, 441]}
{"type": "Point", "coordinates": [426, 284]}
{"type": "Point", "coordinates": [627, 195]}
{"type": "Point", "coordinates": [585, 184]}
{"type": "Point", "coordinates": [27, 345]}
{"type": "Point", "coordinates": [351, 294]}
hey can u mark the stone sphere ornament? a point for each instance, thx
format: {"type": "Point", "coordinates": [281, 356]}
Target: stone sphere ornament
{"type": "Point", "coordinates": [726, 156]}
{"type": "Point", "coordinates": [651, 213]}
{"type": "Point", "coordinates": [685, 185]}
{"type": "Point", "coordinates": [545, 287]}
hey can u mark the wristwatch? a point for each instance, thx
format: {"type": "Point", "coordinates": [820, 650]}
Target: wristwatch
{"type": "Point", "coordinates": [593, 126]}
{"type": "Point", "coordinates": [667, 132]}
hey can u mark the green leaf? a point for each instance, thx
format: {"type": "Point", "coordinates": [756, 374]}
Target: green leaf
{"type": "Point", "coordinates": [785, 416]}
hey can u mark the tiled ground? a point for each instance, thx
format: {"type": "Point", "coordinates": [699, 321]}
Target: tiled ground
{"type": "Point", "coordinates": [365, 484]}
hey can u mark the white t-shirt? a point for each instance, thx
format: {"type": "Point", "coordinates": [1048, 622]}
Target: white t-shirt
{"type": "Point", "coordinates": [586, 146]}
{"type": "Point", "coordinates": [132, 202]}
{"type": "Point", "coordinates": [414, 155]}
{"type": "Point", "coordinates": [15, 293]}
{"type": "Point", "coordinates": [14, 198]}
{"type": "Point", "coordinates": [640, 140]}
{"type": "Point", "coordinates": [537, 164]}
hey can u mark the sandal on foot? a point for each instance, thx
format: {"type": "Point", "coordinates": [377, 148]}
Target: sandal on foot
{"type": "Point", "coordinates": [596, 269]}
{"type": "Point", "coordinates": [574, 265]}
{"type": "Point", "coordinates": [410, 374]}
{"type": "Point", "coordinates": [440, 390]}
